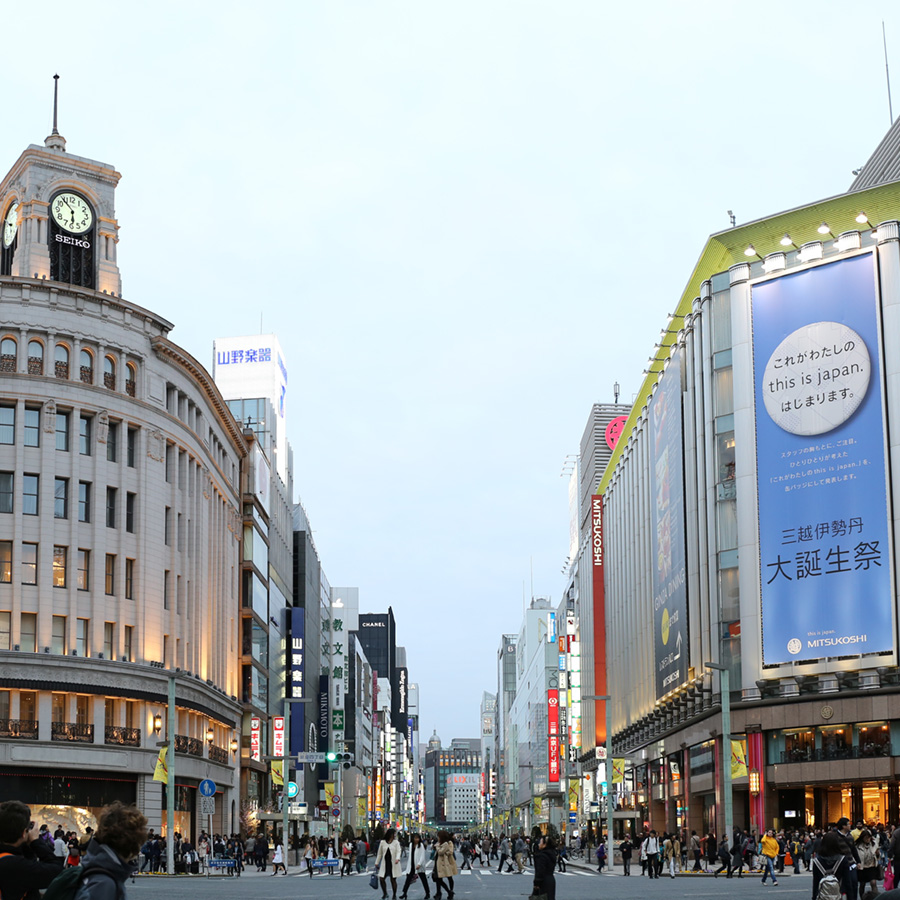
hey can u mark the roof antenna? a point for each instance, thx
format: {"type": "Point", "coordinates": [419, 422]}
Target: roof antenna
{"type": "Point", "coordinates": [55, 140]}
{"type": "Point", "coordinates": [887, 73]}
{"type": "Point", "coordinates": [56, 98]}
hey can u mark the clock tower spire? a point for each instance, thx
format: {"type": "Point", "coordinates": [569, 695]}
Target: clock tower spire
{"type": "Point", "coordinates": [55, 141]}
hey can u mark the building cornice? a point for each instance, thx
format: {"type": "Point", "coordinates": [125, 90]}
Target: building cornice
{"type": "Point", "coordinates": [165, 349]}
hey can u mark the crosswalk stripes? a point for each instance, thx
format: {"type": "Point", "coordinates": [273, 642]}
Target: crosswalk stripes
{"type": "Point", "coordinates": [489, 873]}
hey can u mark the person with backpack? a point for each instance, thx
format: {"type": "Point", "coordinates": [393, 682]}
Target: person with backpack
{"type": "Point", "coordinates": [831, 871]}
{"type": "Point", "coordinates": [27, 864]}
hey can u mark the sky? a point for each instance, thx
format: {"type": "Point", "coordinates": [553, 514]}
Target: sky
{"type": "Point", "coordinates": [465, 222]}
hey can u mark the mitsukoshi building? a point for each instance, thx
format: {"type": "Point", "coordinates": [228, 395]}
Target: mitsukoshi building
{"type": "Point", "coordinates": [749, 522]}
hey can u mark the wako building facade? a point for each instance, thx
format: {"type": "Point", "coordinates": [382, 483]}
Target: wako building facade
{"type": "Point", "coordinates": [749, 521]}
{"type": "Point", "coordinates": [120, 521]}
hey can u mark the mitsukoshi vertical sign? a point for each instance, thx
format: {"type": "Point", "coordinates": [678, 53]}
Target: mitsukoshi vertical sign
{"type": "Point", "coordinates": [824, 532]}
{"type": "Point", "coordinates": [667, 536]}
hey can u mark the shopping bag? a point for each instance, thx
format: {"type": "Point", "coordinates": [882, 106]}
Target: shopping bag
{"type": "Point", "coordinates": [888, 877]}
{"type": "Point", "coordinates": [373, 881]}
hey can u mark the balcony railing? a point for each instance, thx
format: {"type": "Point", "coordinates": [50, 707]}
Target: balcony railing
{"type": "Point", "coordinates": [128, 737]}
{"type": "Point", "coordinates": [72, 731]}
{"type": "Point", "coordinates": [823, 754]}
{"type": "Point", "coordinates": [189, 745]}
{"type": "Point", "coordinates": [218, 754]}
{"type": "Point", "coordinates": [22, 729]}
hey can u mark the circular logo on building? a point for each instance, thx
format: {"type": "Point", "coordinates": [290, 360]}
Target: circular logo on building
{"type": "Point", "coordinates": [614, 431]}
{"type": "Point", "coordinates": [816, 378]}
{"type": "Point", "coordinates": [795, 645]}
{"type": "Point", "coordinates": [665, 626]}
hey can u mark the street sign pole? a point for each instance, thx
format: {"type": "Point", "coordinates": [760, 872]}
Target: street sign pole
{"type": "Point", "coordinates": [285, 777]}
{"type": "Point", "coordinates": [170, 781]}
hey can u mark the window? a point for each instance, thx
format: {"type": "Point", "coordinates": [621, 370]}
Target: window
{"type": "Point", "coordinates": [58, 639]}
{"type": "Point", "coordinates": [84, 501]}
{"type": "Point", "coordinates": [167, 526]}
{"type": "Point", "coordinates": [6, 492]}
{"type": "Point", "coordinates": [131, 448]}
{"type": "Point", "coordinates": [129, 512]}
{"type": "Point", "coordinates": [131, 380]}
{"type": "Point", "coordinates": [170, 463]}
{"type": "Point", "coordinates": [81, 639]}
{"type": "Point", "coordinates": [6, 562]}
{"type": "Point", "coordinates": [62, 431]}
{"type": "Point", "coordinates": [167, 588]}
{"type": "Point", "coordinates": [110, 574]}
{"type": "Point", "coordinates": [131, 714]}
{"type": "Point", "coordinates": [87, 366]}
{"type": "Point", "coordinates": [179, 533]}
{"type": "Point", "coordinates": [8, 355]}
{"type": "Point", "coordinates": [109, 373]}
{"type": "Point", "coordinates": [60, 563]}
{"type": "Point", "coordinates": [30, 494]}
{"type": "Point", "coordinates": [61, 362]}
{"type": "Point", "coordinates": [61, 498]}
{"type": "Point", "coordinates": [83, 577]}
{"type": "Point", "coordinates": [5, 644]}
{"type": "Point", "coordinates": [35, 358]}
{"type": "Point", "coordinates": [58, 707]}
{"type": "Point", "coordinates": [112, 442]}
{"type": "Point", "coordinates": [128, 647]}
{"type": "Point", "coordinates": [129, 579]}
{"type": "Point", "coordinates": [111, 498]}
{"type": "Point", "coordinates": [32, 427]}
{"type": "Point", "coordinates": [29, 563]}
{"type": "Point", "coordinates": [7, 424]}
{"type": "Point", "coordinates": [84, 435]}
{"type": "Point", "coordinates": [109, 640]}
{"type": "Point", "coordinates": [28, 643]}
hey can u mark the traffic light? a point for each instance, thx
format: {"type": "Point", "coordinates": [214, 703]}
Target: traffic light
{"type": "Point", "coordinates": [344, 759]}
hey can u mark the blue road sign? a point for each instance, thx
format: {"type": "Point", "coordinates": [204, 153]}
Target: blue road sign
{"type": "Point", "coordinates": [208, 787]}
{"type": "Point", "coordinates": [573, 817]}
{"type": "Point", "coordinates": [293, 789]}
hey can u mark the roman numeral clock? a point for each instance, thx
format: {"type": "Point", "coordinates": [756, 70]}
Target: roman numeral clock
{"type": "Point", "coordinates": [71, 239]}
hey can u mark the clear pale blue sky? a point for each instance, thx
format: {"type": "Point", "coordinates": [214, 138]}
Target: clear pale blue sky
{"type": "Point", "coordinates": [465, 221]}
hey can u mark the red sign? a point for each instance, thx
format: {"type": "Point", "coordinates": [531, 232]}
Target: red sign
{"type": "Point", "coordinates": [254, 739]}
{"type": "Point", "coordinates": [599, 592]}
{"type": "Point", "coordinates": [614, 431]}
{"type": "Point", "coordinates": [278, 735]}
{"type": "Point", "coordinates": [553, 726]}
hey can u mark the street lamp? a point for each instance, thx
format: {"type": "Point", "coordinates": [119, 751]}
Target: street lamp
{"type": "Point", "coordinates": [607, 803]}
{"type": "Point", "coordinates": [725, 691]}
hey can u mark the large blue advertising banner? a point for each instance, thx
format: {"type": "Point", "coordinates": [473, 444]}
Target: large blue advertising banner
{"type": "Point", "coordinates": [824, 531]}
{"type": "Point", "coordinates": [667, 509]}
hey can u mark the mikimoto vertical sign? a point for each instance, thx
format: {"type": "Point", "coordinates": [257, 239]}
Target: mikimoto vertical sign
{"type": "Point", "coordinates": [822, 486]}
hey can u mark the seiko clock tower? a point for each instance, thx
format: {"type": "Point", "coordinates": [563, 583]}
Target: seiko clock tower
{"type": "Point", "coordinates": [58, 215]}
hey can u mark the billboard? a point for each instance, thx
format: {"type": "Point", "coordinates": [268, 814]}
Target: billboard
{"type": "Point", "coordinates": [296, 678]}
{"type": "Point", "coordinates": [667, 533]}
{"type": "Point", "coordinates": [599, 621]}
{"type": "Point", "coordinates": [553, 736]}
{"type": "Point", "coordinates": [822, 488]}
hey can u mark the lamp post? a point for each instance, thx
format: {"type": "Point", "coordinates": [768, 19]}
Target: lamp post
{"type": "Point", "coordinates": [607, 807]}
{"type": "Point", "coordinates": [725, 691]}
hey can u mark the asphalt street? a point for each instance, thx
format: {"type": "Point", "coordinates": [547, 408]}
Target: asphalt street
{"type": "Point", "coordinates": [578, 883]}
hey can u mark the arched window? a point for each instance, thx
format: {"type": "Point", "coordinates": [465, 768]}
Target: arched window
{"type": "Point", "coordinates": [87, 367]}
{"type": "Point", "coordinates": [109, 373]}
{"type": "Point", "coordinates": [35, 358]}
{"type": "Point", "coordinates": [8, 355]}
{"type": "Point", "coordinates": [62, 361]}
{"type": "Point", "coordinates": [131, 379]}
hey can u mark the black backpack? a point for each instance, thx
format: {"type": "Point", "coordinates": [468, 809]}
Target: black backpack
{"type": "Point", "coordinates": [67, 884]}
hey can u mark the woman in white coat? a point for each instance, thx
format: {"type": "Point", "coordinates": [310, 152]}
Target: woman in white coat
{"type": "Point", "coordinates": [387, 861]}
{"type": "Point", "coordinates": [415, 866]}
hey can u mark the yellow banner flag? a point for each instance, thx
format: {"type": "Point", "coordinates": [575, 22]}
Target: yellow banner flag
{"type": "Point", "coordinates": [618, 771]}
{"type": "Point", "coordinates": [574, 793]}
{"type": "Point", "coordinates": [161, 773]}
{"type": "Point", "coordinates": [538, 804]}
{"type": "Point", "coordinates": [738, 759]}
{"type": "Point", "coordinates": [278, 772]}
{"type": "Point", "coordinates": [361, 809]}
{"type": "Point", "coordinates": [329, 793]}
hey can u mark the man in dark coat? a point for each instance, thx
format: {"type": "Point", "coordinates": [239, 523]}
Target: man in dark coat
{"type": "Point", "coordinates": [31, 864]}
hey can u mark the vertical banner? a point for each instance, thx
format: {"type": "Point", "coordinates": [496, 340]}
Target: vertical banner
{"type": "Point", "coordinates": [296, 680]}
{"type": "Point", "coordinates": [278, 772]}
{"type": "Point", "coordinates": [738, 759]}
{"type": "Point", "coordinates": [277, 735]}
{"type": "Point", "coordinates": [618, 771]}
{"type": "Point", "coordinates": [667, 533]}
{"type": "Point", "coordinates": [824, 530]}
{"type": "Point", "coordinates": [599, 609]}
{"type": "Point", "coordinates": [553, 729]}
{"type": "Point", "coordinates": [255, 753]}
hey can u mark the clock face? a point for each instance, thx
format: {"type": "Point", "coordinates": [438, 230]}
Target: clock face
{"type": "Point", "coordinates": [71, 213]}
{"type": "Point", "coordinates": [10, 224]}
